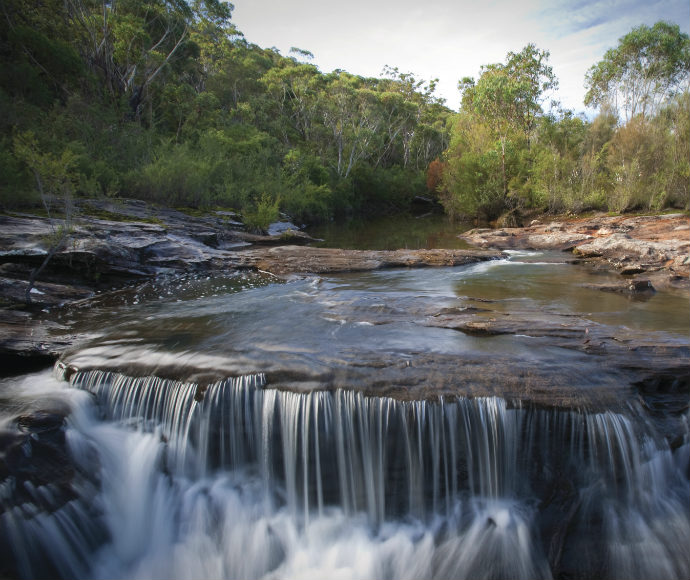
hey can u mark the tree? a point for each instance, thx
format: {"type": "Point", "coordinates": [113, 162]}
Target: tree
{"type": "Point", "coordinates": [434, 175]}
{"type": "Point", "coordinates": [166, 100]}
{"type": "Point", "coordinates": [350, 116]}
{"type": "Point", "coordinates": [131, 42]}
{"type": "Point", "coordinates": [557, 174]}
{"type": "Point", "coordinates": [508, 97]}
{"type": "Point", "coordinates": [294, 88]}
{"type": "Point", "coordinates": [530, 69]}
{"type": "Point", "coordinates": [495, 100]}
{"type": "Point", "coordinates": [55, 180]}
{"type": "Point", "coordinates": [648, 67]}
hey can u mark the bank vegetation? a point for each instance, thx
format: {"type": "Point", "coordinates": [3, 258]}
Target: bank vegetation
{"type": "Point", "coordinates": [167, 101]}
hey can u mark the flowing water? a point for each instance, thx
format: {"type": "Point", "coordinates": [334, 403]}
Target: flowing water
{"type": "Point", "coordinates": [297, 458]}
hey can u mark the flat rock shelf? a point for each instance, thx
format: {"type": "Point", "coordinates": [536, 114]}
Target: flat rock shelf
{"type": "Point", "coordinates": [225, 406]}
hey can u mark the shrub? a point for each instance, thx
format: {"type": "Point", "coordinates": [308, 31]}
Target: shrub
{"type": "Point", "coordinates": [265, 212]}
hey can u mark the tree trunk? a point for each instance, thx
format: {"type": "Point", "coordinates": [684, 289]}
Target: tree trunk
{"type": "Point", "coordinates": [503, 168]}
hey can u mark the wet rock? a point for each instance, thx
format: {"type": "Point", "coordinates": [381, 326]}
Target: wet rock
{"type": "Point", "coordinates": [637, 286]}
{"type": "Point", "coordinates": [632, 269]}
{"type": "Point", "coordinates": [634, 287]}
{"type": "Point", "coordinates": [284, 260]}
{"type": "Point", "coordinates": [281, 227]}
{"type": "Point", "coordinates": [36, 453]}
{"type": "Point", "coordinates": [631, 244]}
{"type": "Point", "coordinates": [556, 240]}
{"type": "Point", "coordinates": [286, 236]}
{"type": "Point", "coordinates": [666, 397]}
{"type": "Point", "coordinates": [28, 341]}
{"type": "Point", "coordinates": [43, 294]}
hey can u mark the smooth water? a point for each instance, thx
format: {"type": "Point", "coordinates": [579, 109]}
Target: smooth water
{"type": "Point", "coordinates": [323, 326]}
{"type": "Point", "coordinates": [301, 465]}
{"type": "Point", "coordinates": [399, 231]}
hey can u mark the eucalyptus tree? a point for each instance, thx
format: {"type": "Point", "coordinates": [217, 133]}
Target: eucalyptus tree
{"type": "Point", "coordinates": [294, 88]}
{"type": "Point", "coordinates": [507, 99]}
{"type": "Point", "coordinates": [535, 79]}
{"type": "Point", "coordinates": [398, 122]}
{"type": "Point", "coordinates": [648, 67]}
{"type": "Point", "coordinates": [495, 97]}
{"type": "Point", "coordinates": [131, 43]}
{"type": "Point", "coordinates": [414, 119]}
{"type": "Point", "coordinates": [350, 115]}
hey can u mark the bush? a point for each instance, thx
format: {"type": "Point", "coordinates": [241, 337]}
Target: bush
{"type": "Point", "coordinates": [387, 189]}
{"type": "Point", "coordinates": [265, 212]}
{"type": "Point", "coordinates": [309, 203]}
{"type": "Point", "coordinates": [17, 186]}
{"type": "Point", "coordinates": [174, 177]}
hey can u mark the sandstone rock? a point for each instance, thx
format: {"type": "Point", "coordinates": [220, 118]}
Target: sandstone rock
{"type": "Point", "coordinates": [632, 244]}
{"type": "Point", "coordinates": [632, 269]}
{"type": "Point", "coordinates": [555, 240]}
{"type": "Point", "coordinates": [297, 259]}
{"type": "Point", "coordinates": [634, 287]}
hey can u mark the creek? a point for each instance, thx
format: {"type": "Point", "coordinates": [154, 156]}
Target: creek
{"type": "Point", "coordinates": [241, 426]}
{"type": "Point", "coordinates": [407, 230]}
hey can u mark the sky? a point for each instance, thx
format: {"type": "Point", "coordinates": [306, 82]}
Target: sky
{"type": "Point", "coordinates": [452, 39]}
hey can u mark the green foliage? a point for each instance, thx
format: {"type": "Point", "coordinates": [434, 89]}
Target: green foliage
{"type": "Point", "coordinates": [472, 182]}
{"type": "Point", "coordinates": [307, 194]}
{"type": "Point", "coordinates": [648, 66]}
{"type": "Point", "coordinates": [505, 154]}
{"type": "Point", "coordinates": [379, 190]}
{"type": "Point", "coordinates": [166, 101]}
{"type": "Point", "coordinates": [55, 175]}
{"type": "Point", "coordinates": [175, 176]}
{"type": "Point", "coordinates": [500, 112]}
{"type": "Point", "coordinates": [266, 210]}
{"type": "Point", "coordinates": [17, 188]}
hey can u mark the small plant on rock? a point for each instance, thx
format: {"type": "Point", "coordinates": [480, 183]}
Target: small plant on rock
{"type": "Point", "coordinates": [265, 212]}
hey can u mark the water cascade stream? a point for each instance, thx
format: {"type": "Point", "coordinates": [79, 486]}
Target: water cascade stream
{"type": "Point", "coordinates": [237, 479]}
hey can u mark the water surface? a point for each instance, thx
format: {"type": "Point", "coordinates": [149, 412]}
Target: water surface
{"type": "Point", "coordinates": [400, 231]}
{"type": "Point", "coordinates": [294, 461]}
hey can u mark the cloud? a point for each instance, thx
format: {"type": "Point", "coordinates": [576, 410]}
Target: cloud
{"type": "Point", "coordinates": [450, 39]}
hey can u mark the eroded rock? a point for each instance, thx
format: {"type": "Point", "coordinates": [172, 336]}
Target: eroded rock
{"type": "Point", "coordinates": [284, 260]}
{"type": "Point", "coordinates": [630, 244]}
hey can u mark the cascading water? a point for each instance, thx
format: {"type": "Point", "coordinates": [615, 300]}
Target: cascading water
{"type": "Point", "coordinates": [555, 445]}
{"type": "Point", "coordinates": [240, 480]}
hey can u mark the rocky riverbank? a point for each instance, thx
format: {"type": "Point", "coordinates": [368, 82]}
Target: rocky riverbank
{"type": "Point", "coordinates": [656, 248]}
{"type": "Point", "coordinates": [115, 244]}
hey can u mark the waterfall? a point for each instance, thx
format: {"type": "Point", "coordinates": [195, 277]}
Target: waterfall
{"type": "Point", "coordinates": [239, 480]}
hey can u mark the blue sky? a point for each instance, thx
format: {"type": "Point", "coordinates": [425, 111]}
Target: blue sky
{"type": "Point", "coordinates": [450, 39]}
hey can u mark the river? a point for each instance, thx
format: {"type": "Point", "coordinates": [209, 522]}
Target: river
{"type": "Point", "coordinates": [242, 426]}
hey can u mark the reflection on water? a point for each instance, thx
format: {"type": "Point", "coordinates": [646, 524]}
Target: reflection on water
{"type": "Point", "coordinates": [340, 317]}
{"type": "Point", "coordinates": [527, 281]}
{"type": "Point", "coordinates": [400, 231]}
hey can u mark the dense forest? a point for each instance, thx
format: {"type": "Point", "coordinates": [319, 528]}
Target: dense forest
{"type": "Point", "coordinates": [166, 101]}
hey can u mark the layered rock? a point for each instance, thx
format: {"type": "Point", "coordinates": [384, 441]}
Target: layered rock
{"type": "Point", "coordinates": [657, 245]}
{"type": "Point", "coordinates": [284, 260]}
{"type": "Point", "coordinates": [111, 245]}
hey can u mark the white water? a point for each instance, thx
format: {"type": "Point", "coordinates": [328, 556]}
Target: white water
{"type": "Point", "coordinates": [243, 481]}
